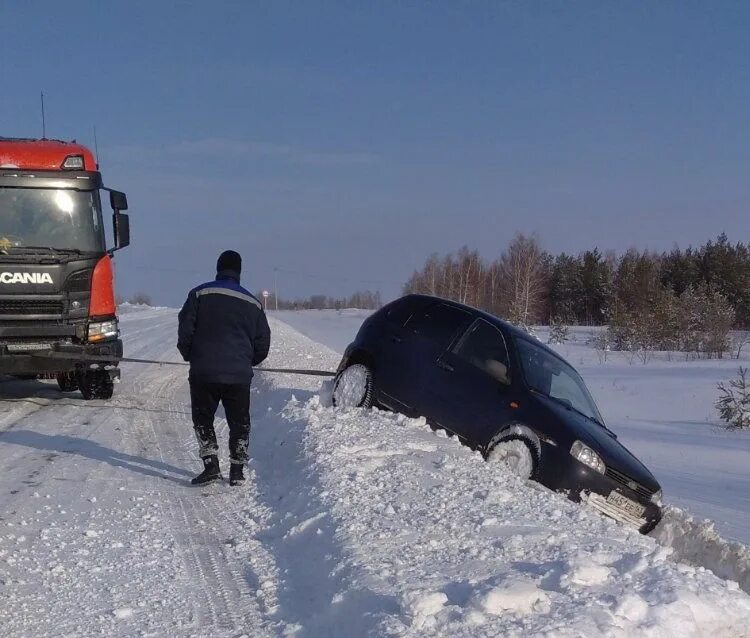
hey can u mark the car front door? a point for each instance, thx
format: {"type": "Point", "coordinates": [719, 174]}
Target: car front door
{"type": "Point", "coordinates": [474, 376]}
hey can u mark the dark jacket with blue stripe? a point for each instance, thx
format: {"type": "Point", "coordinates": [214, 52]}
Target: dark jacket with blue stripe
{"type": "Point", "coordinates": [223, 331]}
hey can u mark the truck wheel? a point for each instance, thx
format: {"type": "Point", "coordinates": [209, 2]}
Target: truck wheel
{"type": "Point", "coordinates": [96, 384]}
{"type": "Point", "coordinates": [67, 382]}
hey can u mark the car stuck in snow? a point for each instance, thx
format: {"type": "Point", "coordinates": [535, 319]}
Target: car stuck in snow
{"type": "Point", "coordinates": [500, 391]}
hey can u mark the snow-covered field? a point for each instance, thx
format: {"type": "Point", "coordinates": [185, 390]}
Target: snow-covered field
{"type": "Point", "coordinates": [353, 523]}
{"type": "Point", "coordinates": [333, 328]}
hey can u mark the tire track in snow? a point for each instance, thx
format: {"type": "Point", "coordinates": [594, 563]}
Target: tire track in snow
{"type": "Point", "coordinates": [198, 521]}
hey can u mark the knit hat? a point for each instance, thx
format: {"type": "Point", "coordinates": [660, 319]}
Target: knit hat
{"type": "Point", "coordinates": [229, 260]}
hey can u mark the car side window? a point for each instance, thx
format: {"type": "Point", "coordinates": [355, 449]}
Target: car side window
{"type": "Point", "coordinates": [483, 346]}
{"type": "Point", "coordinates": [439, 323]}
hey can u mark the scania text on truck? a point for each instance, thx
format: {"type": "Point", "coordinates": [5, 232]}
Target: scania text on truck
{"type": "Point", "coordinates": [57, 298]}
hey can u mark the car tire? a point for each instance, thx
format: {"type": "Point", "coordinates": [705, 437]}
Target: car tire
{"type": "Point", "coordinates": [67, 382]}
{"type": "Point", "coordinates": [96, 384]}
{"type": "Point", "coordinates": [354, 387]}
{"type": "Point", "coordinates": [518, 454]}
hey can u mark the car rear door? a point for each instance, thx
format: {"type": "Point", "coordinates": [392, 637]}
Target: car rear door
{"type": "Point", "coordinates": [395, 367]}
{"type": "Point", "coordinates": [476, 396]}
{"type": "Point", "coordinates": [430, 333]}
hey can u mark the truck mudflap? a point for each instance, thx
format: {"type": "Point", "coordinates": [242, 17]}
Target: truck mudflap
{"type": "Point", "coordinates": [60, 358]}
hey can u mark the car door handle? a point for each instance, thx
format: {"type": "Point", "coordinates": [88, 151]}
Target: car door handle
{"type": "Point", "coordinates": [446, 366]}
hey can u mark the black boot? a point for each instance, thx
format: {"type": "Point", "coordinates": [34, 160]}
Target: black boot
{"type": "Point", "coordinates": [210, 471]}
{"type": "Point", "coordinates": [236, 477]}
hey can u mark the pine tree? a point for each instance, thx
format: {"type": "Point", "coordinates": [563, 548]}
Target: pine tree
{"type": "Point", "coordinates": [733, 403]}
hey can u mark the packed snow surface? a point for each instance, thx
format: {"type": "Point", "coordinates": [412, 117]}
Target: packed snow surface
{"type": "Point", "coordinates": [352, 523]}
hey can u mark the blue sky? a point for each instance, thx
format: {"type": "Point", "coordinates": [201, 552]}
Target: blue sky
{"type": "Point", "coordinates": [342, 142]}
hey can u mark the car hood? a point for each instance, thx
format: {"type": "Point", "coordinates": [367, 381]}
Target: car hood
{"type": "Point", "coordinates": [614, 454]}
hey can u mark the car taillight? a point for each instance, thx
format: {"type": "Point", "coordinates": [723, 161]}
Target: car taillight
{"type": "Point", "coordinates": [102, 289]}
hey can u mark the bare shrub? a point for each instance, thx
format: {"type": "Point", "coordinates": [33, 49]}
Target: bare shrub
{"type": "Point", "coordinates": [601, 345]}
{"type": "Point", "coordinates": [739, 341]}
{"type": "Point", "coordinates": [140, 299]}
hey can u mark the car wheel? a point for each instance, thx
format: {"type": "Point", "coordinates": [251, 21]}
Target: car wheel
{"type": "Point", "coordinates": [517, 454]}
{"type": "Point", "coordinates": [353, 387]}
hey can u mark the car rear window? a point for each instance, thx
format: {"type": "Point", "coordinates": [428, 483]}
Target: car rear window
{"type": "Point", "coordinates": [399, 312]}
{"type": "Point", "coordinates": [440, 323]}
{"type": "Point", "coordinates": [482, 344]}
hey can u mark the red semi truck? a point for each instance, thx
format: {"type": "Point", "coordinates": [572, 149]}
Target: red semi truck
{"type": "Point", "coordinates": [57, 299]}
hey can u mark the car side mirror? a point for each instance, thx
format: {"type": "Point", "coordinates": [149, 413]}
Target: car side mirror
{"type": "Point", "coordinates": [498, 371]}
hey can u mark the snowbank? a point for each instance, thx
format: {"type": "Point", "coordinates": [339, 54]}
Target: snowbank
{"type": "Point", "coordinates": [697, 543]}
{"type": "Point", "coordinates": [446, 544]}
{"type": "Point", "coordinates": [464, 549]}
{"type": "Point", "coordinates": [127, 308]}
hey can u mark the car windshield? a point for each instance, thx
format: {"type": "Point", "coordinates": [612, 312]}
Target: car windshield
{"type": "Point", "coordinates": [50, 219]}
{"type": "Point", "coordinates": [550, 375]}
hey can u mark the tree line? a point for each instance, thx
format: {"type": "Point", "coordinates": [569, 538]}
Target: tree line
{"type": "Point", "coordinates": [362, 299]}
{"type": "Point", "coordinates": [683, 300]}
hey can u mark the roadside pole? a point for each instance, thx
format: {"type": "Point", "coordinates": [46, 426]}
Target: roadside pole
{"type": "Point", "coordinates": [265, 300]}
{"type": "Point", "coordinates": [275, 289]}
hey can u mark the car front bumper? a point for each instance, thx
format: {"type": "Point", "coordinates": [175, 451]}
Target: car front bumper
{"type": "Point", "coordinates": [562, 473]}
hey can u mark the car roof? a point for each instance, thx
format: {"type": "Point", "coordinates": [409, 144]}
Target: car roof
{"type": "Point", "coordinates": [492, 319]}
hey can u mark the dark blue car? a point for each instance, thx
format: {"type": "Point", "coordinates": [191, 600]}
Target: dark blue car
{"type": "Point", "coordinates": [500, 391]}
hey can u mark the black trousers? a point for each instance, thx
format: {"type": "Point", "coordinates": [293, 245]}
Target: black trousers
{"type": "Point", "coordinates": [235, 398]}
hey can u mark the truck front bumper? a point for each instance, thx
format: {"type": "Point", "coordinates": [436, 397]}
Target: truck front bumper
{"type": "Point", "coordinates": [59, 358]}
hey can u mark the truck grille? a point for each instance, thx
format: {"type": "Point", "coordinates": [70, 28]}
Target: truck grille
{"type": "Point", "coordinates": [628, 482]}
{"type": "Point", "coordinates": [30, 307]}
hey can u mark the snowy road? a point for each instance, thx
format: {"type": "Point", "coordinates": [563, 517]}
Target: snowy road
{"type": "Point", "coordinates": [352, 524]}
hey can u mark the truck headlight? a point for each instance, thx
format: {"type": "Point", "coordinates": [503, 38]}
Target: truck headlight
{"type": "Point", "coordinates": [656, 498]}
{"type": "Point", "coordinates": [587, 456]}
{"type": "Point", "coordinates": [100, 330]}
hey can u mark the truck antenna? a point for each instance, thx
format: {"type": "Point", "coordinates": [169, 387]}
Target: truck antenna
{"type": "Point", "coordinates": [96, 148]}
{"type": "Point", "coordinates": [44, 124]}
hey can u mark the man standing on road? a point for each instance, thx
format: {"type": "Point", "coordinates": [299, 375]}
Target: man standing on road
{"type": "Point", "coordinates": [223, 333]}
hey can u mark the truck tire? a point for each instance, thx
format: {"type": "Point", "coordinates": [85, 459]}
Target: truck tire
{"type": "Point", "coordinates": [67, 382]}
{"type": "Point", "coordinates": [95, 384]}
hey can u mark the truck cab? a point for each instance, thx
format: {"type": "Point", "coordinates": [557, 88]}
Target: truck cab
{"type": "Point", "coordinates": [57, 298]}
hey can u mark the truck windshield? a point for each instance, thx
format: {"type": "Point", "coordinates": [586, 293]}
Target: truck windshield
{"type": "Point", "coordinates": [551, 376]}
{"type": "Point", "coordinates": [52, 219]}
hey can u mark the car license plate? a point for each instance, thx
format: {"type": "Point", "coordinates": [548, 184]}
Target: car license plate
{"type": "Point", "coordinates": [624, 503]}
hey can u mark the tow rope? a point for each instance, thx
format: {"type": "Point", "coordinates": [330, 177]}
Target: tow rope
{"type": "Point", "coordinates": [94, 358]}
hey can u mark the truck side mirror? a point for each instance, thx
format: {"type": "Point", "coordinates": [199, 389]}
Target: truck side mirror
{"type": "Point", "coordinates": [121, 223]}
{"type": "Point", "coordinates": [118, 200]}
